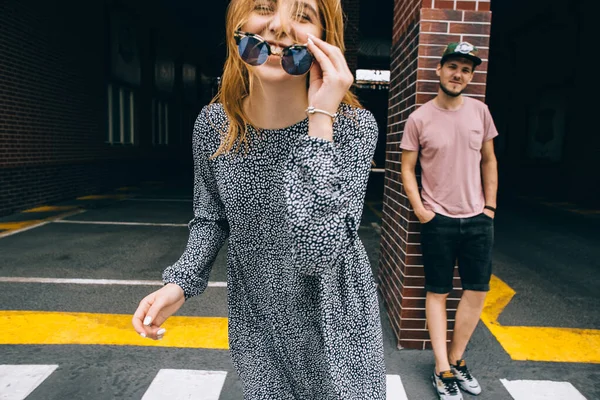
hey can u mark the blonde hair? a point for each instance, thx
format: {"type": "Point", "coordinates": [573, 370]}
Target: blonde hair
{"type": "Point", "coordinates": [237, 80]}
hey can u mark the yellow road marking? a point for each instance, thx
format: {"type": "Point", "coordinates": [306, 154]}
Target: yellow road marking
{"type": "Point", "coordinates": [55, 328]}
{"type": "Point", "coordinates": [20, 224]}
{"type": "Point", "coordinates": [15, 227]}
{"type": "Point", "coordinates": [127, 188]}
{"type": "Point", "coordinates": [587, 212]}
{"type": "Point", "coordinates": [537, 343]}
{"type": "Point", "coordinates": [372, 208]}
{"type": "Point", "coordinates": [49, 209]}
{"type": "Point", "coordinates": [104, 197]}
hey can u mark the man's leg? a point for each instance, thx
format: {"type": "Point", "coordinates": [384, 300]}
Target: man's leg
{"type": "Point", "coordinates": [467, 316]}
{"type": "Point", "coordinates": [475, 268]}
{"type": "Point", "coordinates": [435, 309]}
{"type": "Point", "coordinates": [439, 245]}
{"type": "Point", "coordinates": [443, 378]}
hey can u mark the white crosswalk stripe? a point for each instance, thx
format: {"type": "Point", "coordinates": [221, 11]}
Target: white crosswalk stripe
{"type": "Point", "coordinates": [541, 390]}
{"type": "Point", "coordinates": [207, 385]}
{"type": "Point", "coordinates": [186, 384]}
{"type": "Point", "coordinates": [18, 381]}
{"type": "Point", "coordinates": [395, 388]}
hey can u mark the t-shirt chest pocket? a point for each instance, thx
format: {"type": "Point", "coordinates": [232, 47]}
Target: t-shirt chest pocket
{"type": "Point", "coordinates": [475, 139]}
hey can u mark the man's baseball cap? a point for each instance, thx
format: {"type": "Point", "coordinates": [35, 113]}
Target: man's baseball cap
{"type": "Point", "coordinates": [461, 49]}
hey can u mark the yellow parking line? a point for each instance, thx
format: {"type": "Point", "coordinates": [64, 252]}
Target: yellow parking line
{"type": "Point", "coordinates": [550, 344]}
{"type": "Point", "coordinates": [104, 197]}
{"type": "Point", "coordinates": [49, 209]}
{"type": "Point", "coordinates": [587, 212]}
{"type": "Point", "coordinates": [375, 210]}
{"type": "Point", "coordinates": [537, 343]}
{"type": "Point", "coordinates": [56, 328]}
{"type": "Point", "coordinates": [11, 228]}
{"type": "Point", "coordinates": [19, 224]}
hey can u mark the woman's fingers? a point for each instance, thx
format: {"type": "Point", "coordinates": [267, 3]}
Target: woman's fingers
{"type": "Point", "coordinates": [315, 73]}
{"type": "Point", "coordinates": [154, 310]}
{"type": "Point", "coordinates": [331, 51]}
{"type": "Point", "coordinates": [140, 315]}
{"type": "Point", "coordinates": [324, 62]}
{"type": "Point", "coordinates": [335, 57]}
{"type": "Point", "coordinates": [147, 318]}
{"type": "Point", "coordinates": [155, 332]}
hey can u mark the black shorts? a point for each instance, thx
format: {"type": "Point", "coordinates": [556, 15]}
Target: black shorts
{"type": "Point", "coordinates": [445, 240]}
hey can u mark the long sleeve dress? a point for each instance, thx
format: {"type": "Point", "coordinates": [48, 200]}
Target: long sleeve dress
{"type": "Point", "coordinates": [304, 319]}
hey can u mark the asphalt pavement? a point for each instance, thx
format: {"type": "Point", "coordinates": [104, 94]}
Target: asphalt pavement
{"type": "Point", "coordinates": [102, 254]}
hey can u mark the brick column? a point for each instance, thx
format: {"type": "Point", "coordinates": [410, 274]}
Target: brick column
{"type": "Point", "coordinates": [422, 28]}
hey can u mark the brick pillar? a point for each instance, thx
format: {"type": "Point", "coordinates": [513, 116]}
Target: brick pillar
{"type": "Point", "coordinates": [422, 28]}
{"type": "Point", "coordinates": [351, 33]}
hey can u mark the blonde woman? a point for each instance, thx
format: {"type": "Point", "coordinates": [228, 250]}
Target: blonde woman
{"type": "Point", "coordinates": [282, 158]}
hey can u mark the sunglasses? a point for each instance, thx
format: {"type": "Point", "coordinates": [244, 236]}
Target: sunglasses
{"type": "Point", "coordinates": [254, 50]}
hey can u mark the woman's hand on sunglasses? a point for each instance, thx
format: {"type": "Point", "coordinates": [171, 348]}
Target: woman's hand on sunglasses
{"type": "Point", "coordinates": [330, 77]}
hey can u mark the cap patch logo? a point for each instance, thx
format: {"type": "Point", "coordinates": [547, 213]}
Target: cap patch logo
{"type": "Point", "coordinates": [464, 47]}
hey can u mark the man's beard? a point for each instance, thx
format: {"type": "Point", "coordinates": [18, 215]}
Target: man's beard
{"type": "Point", "coordinates": [449, 93]}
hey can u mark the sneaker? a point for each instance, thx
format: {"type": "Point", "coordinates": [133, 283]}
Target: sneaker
{"type": "Point", "coordinates": [464, 378]}
{"type": "Point", "coordinates": [445, 384]}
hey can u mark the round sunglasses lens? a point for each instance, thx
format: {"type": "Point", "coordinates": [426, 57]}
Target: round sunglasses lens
{"type": "Point", "coordinates": [296, 60]}
{"type": "Point", "coordinates": [253, 51]}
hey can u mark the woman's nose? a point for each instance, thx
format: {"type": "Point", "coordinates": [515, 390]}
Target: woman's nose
{"type": "Point", "coordinates": [275, 24]}
{"type": "Point", "coordinates": [280, 23]}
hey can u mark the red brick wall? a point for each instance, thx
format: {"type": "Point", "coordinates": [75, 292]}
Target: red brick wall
{"type": "Point", "coordinates": [50, 104]}
{"type": "Point", "coordinates": [396, 215]}
{"type": "Point", "coordinates": [54, 71]}
{"type": "Point", "coordinates": [421, 31]}
{"type": "Point", "coordinates": [469, 5]}
{"type": "Point", "coordinates": [47, 73]}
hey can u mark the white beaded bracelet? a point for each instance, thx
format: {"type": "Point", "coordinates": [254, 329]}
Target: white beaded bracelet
{"type": "Point", "coordinates": [312, 110]}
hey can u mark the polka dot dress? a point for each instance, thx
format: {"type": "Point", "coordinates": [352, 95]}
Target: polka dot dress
{"type": "Point", "coordinates": [303, 311]}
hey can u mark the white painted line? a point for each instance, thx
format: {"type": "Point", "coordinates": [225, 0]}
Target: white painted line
{"type": "Point", "coordinates": [186, 384]}
{"type": "Point", "coordinates": [18, 381]}
{"type": "Point", "coordinates": [150, 199]}
{"type": "Point", "coordinates": [117, 223]}
{"type": "Point", "coordinates": [541, 390]}
{"type": "Point", "coordinates": [12, 232]}
{"type": "Point", "coordinates": [78, 281]}
{"type": "Point", "coordinates": [395, 388]}
{"type": "Point", "coordinates": [46, 221]}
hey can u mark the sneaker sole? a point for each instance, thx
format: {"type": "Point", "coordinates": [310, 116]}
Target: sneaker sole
{"type": "Point", "coordinates": [468, 391]}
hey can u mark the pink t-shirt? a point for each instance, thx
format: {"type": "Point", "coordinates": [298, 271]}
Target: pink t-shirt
{"type": "Point", "coordinates": [450, 155]}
